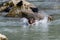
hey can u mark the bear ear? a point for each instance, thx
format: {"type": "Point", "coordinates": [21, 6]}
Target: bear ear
{"type": "Point", "coordinates": [20, 3]}
{"type": "Point", "coordinates": [15, 2]}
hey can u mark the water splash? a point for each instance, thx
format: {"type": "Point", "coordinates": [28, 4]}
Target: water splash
{"type": "Point", "coordinates": [24, 22]}
{"type": "Point", "coordinates": [41, 25]}
{"type": "Point", "coordinates": [43, 21]}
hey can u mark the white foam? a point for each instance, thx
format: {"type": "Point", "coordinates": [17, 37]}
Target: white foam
{"type": "Point", "coordinates": [24, 22]}
{"type": "Point", "coordinates": [43, 21]}
{"type": "Point", "coordinates": [42, 25]}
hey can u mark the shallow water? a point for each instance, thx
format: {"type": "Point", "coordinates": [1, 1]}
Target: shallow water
{"type": "Point", "coordinates": [11, 27]}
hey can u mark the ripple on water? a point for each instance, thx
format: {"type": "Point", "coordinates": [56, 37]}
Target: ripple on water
{"type": "Point", "coordinates": [55, 22]}
{"type": "Point", "coordinates": [8, 30]}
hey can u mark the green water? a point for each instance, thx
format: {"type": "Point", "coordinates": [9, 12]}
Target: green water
{"type": "Point", "coordinates": [51, 31]}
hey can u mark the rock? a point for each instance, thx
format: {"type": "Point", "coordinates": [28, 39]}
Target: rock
{"type": "Point", "coordinates": [3, 37]}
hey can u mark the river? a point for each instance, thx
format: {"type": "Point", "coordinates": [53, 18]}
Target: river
{"type": "Point", "coordinates": [48, 31]}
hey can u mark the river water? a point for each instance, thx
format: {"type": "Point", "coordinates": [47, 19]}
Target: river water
{"type": "Point", "coordinates": [47, 31]}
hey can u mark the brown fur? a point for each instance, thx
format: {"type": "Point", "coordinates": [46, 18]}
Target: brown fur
{"type": "Point", "coordinates": [25, 11]}
{"type": "Point", "coordinates": [50, 18]}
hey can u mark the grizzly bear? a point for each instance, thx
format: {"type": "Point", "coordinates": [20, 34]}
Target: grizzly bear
{"type": "Point", "coordinates": [22, 8]}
